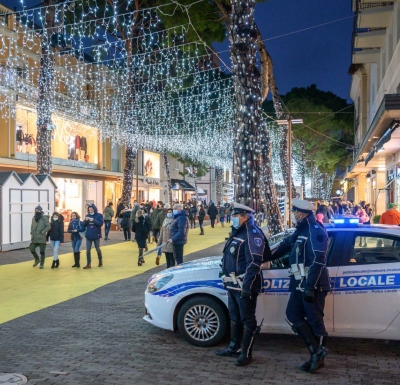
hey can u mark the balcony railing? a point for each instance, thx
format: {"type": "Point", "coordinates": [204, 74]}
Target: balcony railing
{"type": "Point", "coordinates": [361, 6]}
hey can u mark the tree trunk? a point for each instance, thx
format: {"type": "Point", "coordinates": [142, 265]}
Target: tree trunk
{"type": "Point", "coordinates": [129, 170]}
{"type": "Point", "coordinates": [219, 173]}
{"type": "Point", "coordinates": [166, 165]}
{"type": "Point", "coordinates": [45, 91]}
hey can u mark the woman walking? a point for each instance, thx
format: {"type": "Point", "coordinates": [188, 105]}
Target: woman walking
{"type": "Point", "coordinates": [126, 222]}
{"type": "Point", "coordinates": [108, 216]}
{"type": "Point", "coordinates": [141, 227]}
{"type": "Point", "coordinates": [202, 214]}
{"type": "Point", "coordinates": [76, 228]}
{"type": "Point", "coordinates": [212, 213]}
{"type": "Point", "coordinates": [56, 234]}
{"type": "Point", "coordinates": [221, 213]}
{"type": "Point", "coordinates": [168, 249]}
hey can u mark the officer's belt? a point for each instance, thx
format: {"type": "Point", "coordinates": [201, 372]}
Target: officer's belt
{"type": "Point", "coordinates": [236, 279]}
{"type": "Point", "coordinates": [299, 271]}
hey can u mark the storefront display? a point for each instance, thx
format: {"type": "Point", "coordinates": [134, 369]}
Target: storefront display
{"type": "Point", "coordinates": [151, 164]}
{"type": "Point", "coordinates": [70, 140]}
{"type": "Point", "coordinates": [68, 197]}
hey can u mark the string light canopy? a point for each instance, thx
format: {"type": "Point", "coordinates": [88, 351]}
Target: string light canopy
{"type": "Point", "coordinates": [156, 91]}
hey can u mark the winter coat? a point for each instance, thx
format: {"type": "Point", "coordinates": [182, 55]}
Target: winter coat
{"type": "Point", "coordinates": [158, 222]}
{"type": "Point", "coordinates": [192, 212]}
{"type": "Point", "coordinates": [141, 228]}
{"type": "Point", "coordinates": [390, 217]}
{"type": "Point", "coordinates": [93, 228]}
{"type": "Point", "coordinates": [76, 224]}
{"type": "Point", "coordinates": [120, 208]}
{"type": "Point", "coordinates": [133, 215]}
{"type": "Point", "coordinates": [327, 212]}
{"type": "Point", "coordinates": [165, 234]}
{"type": "Point", "coordinates": [154, 216]}
{"type": "Point", "coordinates": [56, 232]}
{"type": "Point", "coordinates": [202, 214]}
{"type": "Point", "coordinates": [39, 229]}
{"type": "Point", "coordinates": [221, 212]}
{"type": "Point", "coordinates": [362, 215]}
{"type": "Point", "coordinates": [126, 222]}
{"type": "Point", "coordinates": [212, 211]}
{"type": "Point", "coordinates": [180, 228]}
{"type": "Point", "coordinates": [108, 213]}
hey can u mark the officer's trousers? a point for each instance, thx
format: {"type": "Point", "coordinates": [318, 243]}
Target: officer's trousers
{"type": "Point", "coordinates": [297, 310]}
{"type": "Point", "coordinates": [242, 310]}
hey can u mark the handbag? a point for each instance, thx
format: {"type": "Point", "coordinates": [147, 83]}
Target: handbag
{"type": "Point", "coordinates": [82, 234]}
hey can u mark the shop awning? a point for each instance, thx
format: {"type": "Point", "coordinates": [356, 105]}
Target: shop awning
{"type": "Point", "coordinates": [180, 184]}
{"type": "Point", "coordinates": [200, 191]}
{"type": "Point", "coordinates": [370, 155]}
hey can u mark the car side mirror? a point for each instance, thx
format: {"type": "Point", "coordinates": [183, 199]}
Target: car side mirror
{"type": "Point", "coordinates": [266, 266]}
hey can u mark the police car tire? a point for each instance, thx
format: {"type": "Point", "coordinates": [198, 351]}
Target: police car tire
{"type": "Point", "coordinates": [215, 311]}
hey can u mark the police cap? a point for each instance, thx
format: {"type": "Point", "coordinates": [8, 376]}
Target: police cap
{"type": "Point", "coordinates": [302, 206]}
{"type": "Point", "coordinates": [238, 208]}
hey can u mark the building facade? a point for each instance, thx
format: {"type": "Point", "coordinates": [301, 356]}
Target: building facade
{"type": "Point", "coordinates": [375, 90]}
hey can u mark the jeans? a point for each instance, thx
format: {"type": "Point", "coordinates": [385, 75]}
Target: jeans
{"type": "Point", "coordinates": [127, 233]}
{"type": "Point", "coordinates": [212, 222]}
{"type": "Point", "coordinates": [201, 224]}
{"type": "Point", "coordinates": [55, 245]}
{"type": "Point", "coordinates": [89, 246]}
{"type": "Point", "coordinates": [32, 249]}
{"type": "Point", "coordinates": [170, 259]}
{"type": "Point", "coordinates": [107, 227]}
{"type": "Point", "coordinates": [178, 253]}
{"type": "Point", "coordinates": [76, 245]}
{"type": "Point", "coordinates": [228, 218]}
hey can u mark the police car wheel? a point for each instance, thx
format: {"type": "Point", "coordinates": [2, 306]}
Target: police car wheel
{"type": "Point", "coordinates": [202, 321]}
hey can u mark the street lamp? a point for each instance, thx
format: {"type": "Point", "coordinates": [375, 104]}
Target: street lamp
{"type": "Point", "coordinates": [288, 122]}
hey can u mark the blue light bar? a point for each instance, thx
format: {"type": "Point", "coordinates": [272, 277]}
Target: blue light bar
{"type": "Point", "coordinates": [338, 220]}
{"type": "Point", "coordinates": [354, 220]}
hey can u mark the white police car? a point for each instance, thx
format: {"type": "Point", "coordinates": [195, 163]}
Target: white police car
{"type": "Point", "coordinates": [364, 266]}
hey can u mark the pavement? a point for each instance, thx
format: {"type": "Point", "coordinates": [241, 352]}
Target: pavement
{"type": "Point", "coordinates": [100, 338]}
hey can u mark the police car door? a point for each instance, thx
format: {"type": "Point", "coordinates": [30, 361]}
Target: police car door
{"type": "Point", "coordinates": [272, 303]}
{"type": "Point", "coordinates": [367, 287]}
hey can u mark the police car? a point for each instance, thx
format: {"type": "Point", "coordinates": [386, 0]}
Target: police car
{"type": "Point", "coordinates": [364, 266]}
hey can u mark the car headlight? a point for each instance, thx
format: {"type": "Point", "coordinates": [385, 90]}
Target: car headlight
{"type": "Point", "coordinates": [158, 282]}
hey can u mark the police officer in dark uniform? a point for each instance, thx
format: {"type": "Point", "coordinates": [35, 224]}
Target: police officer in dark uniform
{"type": "Point", "coordinates": [241, 266]}
{"type": "Point", "coordinates": [309, 281]}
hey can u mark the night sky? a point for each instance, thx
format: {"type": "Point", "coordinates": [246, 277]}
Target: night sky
{"type": "Point", "coordinates": [319, 55]}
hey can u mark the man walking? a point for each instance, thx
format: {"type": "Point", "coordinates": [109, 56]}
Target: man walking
{"type": "Point", "coordinates": [391, 216]}
{"type": "Point", "coordinates": [309, 281]}
{"type": "Point", "coordinates": [244, 253]}
{"type": "Point", "coordinates": [179, 231]}
{"type": "Point", "coordinates": [39, 227]}
{"type": "Point", "coordinates": [154, 223]}
{"type": "Point", "coordinates": [93, 223]}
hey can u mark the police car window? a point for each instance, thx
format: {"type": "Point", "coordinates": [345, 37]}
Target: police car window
{"type": "Point", "coordinates": [370, 249]}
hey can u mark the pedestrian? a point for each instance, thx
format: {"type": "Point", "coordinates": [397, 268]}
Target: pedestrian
{"type": "Point", "coordinates": [391, 216]}
{"type": "Point", "coordinates": [243, 256]}
{"type": "Point", "coordinates": [77, 229]}
{"type": "Point", "coordinates": [148, 219]}
{"type": "Point", "coordinates": [39, 227]}
{"type": "Point", "coordinates": [141, 227]}
{"type": "Point", "coordinates": [108, 216]}
{"type": "Point", "coordinates": [201, 216]}
{"type": "Point", "coordinates": [179, 232]}
{"type": "Point", "coordinates": [118, 215]}
{"type": "Point", "coordinates": [93, 223]}
{"type": "Point", "coordinates": [126, 223]}
{"type": "Point", "coordinates": [326, 211]}
{"type": "Point", "coordinates": [221, 213]}
{"type": "Point", "coordinates": [167, 249]}
{"type": "Point", "coordinates": [192, 215]}
{"type": "Point", "coordinates": [309, 281]}
{"type": "Point", "coordinates": [369, 212]}
{"type": "Point", "coordinates": [56, 235]}
{"type": "Point", "coordinates": [212, 213]}
{"type": "Point", "coordinates": [155, 224]}
{"type": "Point", "coordinates": [228, 212]}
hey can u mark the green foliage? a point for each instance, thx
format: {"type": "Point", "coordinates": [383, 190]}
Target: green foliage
{"type": "Point", "coordinates": [317, 108]}
{"type": "Point", "coordinates": [187, 162]}
{"type": "Point", "coordinates": [376, 219]}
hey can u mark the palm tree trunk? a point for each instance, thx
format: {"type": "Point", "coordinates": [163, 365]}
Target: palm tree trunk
{"type": "Point", "coordinates": [129, 170]}
{"type": "Point", "coordinates": [167, 171]}
{"type": "Point", "coordinates": [219, 173]}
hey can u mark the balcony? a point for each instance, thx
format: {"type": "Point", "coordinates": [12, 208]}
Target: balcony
{"type": "Point", "coordinates": [370, 38]}
{"type": "Point", "coordinates": [374, 15]}
{"type": "Point", "coordinates": [367, 55]}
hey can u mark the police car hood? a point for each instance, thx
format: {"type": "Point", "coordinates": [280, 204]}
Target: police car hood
{"type": "Point", "coordinates": [199, 264]}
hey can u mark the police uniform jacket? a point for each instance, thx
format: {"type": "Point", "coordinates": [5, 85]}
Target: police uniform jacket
{"type": "Point", "coordinates": [307, 245]}
{"type": "Point", "coordinates": [243, 254]}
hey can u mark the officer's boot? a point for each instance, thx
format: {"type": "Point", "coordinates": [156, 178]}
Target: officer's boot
{"type": "Point", "coordinates": [233, 350]}
{"type": "Point", "coordinates": [307, 365]}
{"type": "Point", "coordinates": [247, 348]}
{"type": "Point", "coordinates": [317, 352]}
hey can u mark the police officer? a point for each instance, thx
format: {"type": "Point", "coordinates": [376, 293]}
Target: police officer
{"type": "Point", "coordinates": [241, 266]}
{"type": "Point", "coordinates": [309, 281]}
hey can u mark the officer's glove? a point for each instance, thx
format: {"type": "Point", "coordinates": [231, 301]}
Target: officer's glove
{"type": "Point", "coordinates": [245, 294]}
{"type": "Point", "coordinates": [308, 294]}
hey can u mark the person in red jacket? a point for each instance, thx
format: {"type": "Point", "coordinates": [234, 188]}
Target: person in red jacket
{"type": "Point", "coordinates": [390, 216]}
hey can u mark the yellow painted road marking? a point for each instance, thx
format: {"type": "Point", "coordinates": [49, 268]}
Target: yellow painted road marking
{"type": "Point", "coordinates": [25, 289]}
